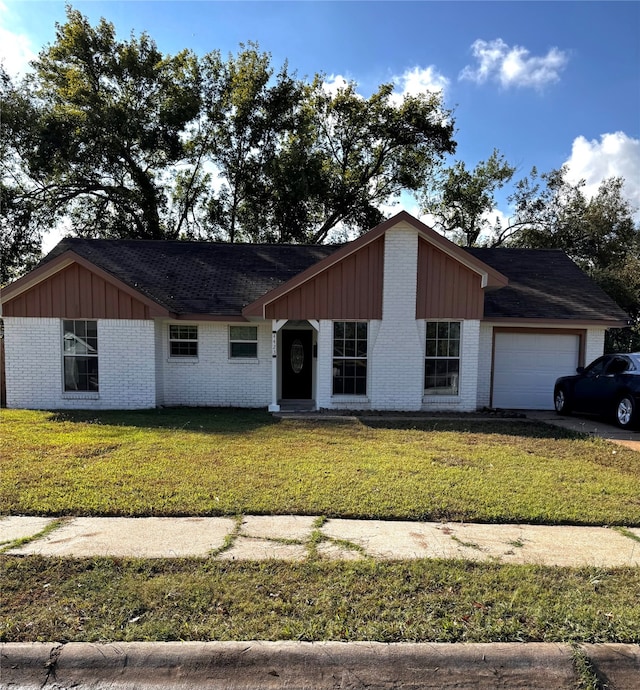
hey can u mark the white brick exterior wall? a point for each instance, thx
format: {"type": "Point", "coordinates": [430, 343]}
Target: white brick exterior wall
{"type": "Point", "coordinates": [396, 344]}
{"type": "Point", "coordinates": [33, 350]}
{"type": "Point", "coordinates": [485, 353]}
{"type": "Point", "coordinates": [213, 378]}
{"type": "Point", "coordinates": [126, 365]}
{"type": "Point", "coordinates": [594, 345]}
{"type": "Point", "coordinates": [324, 365]}
{"type": "Point", "coordinates": [396, 358]}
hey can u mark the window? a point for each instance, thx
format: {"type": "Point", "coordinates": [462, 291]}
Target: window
{"type": "Point", "coordinates": [80, 355]}
{"type": "Point", "coordinates": [243, 342]}
{"type": "Point", "coordinates": [183, 341]}
{"type": "Point", "coordinates": [442, 363]}
{"type": "Point", "coordinates": [349, 358]}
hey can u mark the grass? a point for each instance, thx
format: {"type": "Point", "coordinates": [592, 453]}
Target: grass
{"type": "Point", "coordinates": [230, 462]}
{"type": "Point", "coordinates": [426, 600]}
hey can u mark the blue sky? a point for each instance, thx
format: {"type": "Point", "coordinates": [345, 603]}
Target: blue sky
{"type": "Point", "coordinates": [547, 83]}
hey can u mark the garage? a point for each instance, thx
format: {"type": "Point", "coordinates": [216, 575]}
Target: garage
{"type": "Point", "coordinates": [526, 366]}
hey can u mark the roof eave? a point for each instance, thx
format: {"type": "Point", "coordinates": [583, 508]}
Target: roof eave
{"type": "Point", "coordinates": [574, 322]}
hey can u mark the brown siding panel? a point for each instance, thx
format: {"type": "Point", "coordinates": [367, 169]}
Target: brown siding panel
{"type": "Point", "coordinates": [446, 288]}
{"type": "Point", "coordinates": [350, 289]}
{"type": "Point", "coordinates": [76, 293]}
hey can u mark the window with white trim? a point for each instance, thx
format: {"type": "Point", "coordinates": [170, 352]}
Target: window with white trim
{"type": "Point", "coordinates": [243, 342]}
{"type": "Point", "coordinates": [80, 355]}
{"type": "Point", "coordinates": [442, 361]}
{"type": "Point", "coordinates": [350, 358]}
{"type": "Point", "coordinates": [183, 341]}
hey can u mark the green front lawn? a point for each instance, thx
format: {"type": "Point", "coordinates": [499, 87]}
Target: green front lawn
{"type": "Point", "coordinates": [228, 462]}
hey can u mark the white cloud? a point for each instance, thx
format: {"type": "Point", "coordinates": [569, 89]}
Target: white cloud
{"type": "Point", "coordinates": [417, 81]}
{"type": "Point", "coordinates": [614, 155]}
{"type": "Point", "coordinates": [16, 49]}
{"type": "Point", "coordinates": [334, 83]}
{"type": "Point", "coordinates": [412, 82]}
{"type": "Point", "coordinates": [513, 66]}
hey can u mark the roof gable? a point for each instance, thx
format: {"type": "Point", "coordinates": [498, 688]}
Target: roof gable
{"type": "Point", "coordinates": [489, 276]}
{"type": "Point", "coordinates": [69, 286]}
{"type": "Point", "coordinates": [205, 280]}
{"type": "Point", "coordinates": [183, 279]}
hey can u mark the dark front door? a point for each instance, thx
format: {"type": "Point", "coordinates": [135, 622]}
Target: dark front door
{"type": "Point", "coordinates": [297, 365]}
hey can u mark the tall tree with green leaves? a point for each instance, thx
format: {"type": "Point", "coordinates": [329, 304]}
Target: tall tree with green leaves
{"type": "Point", "coordinates": [295, 161]}
{"type": "Point", "coordinates": [120, 140]}
{"type": "Point", "coordinates": [22, 222]}
{"type": "Point", "coordinates": [248, 112]}
{"type": "Point", "coordinates": [598, 232]}
{"type": "Point", "coordinates": [461, 201]}
{"type": "Point", "coordinates": [111, 117]}
{"type": "Point", "coordinates": [371, 149]}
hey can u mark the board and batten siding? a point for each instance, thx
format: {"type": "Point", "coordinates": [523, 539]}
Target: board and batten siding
{"type": "Point", "coordinates": [75, 292]}
{"type": "Point", "coordinates": [350, 289]}
{"type": "Point", "coordinates": [446, 288]}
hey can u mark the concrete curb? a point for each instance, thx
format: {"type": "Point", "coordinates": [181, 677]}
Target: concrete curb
{"type": "Point", "coordinates": [310, 665]}
{"type": "Point", "coordinates": [616, 665]}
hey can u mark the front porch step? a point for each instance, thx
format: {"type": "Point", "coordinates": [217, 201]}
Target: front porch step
{"type": "Point", "coordinates": [297, 405]}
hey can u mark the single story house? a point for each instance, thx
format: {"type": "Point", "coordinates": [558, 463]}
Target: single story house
{"type": "Point", "coordinates": [398, 319]}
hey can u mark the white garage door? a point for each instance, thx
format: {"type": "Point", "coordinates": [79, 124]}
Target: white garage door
{"type": "Point", "coordinates": [526, 366]}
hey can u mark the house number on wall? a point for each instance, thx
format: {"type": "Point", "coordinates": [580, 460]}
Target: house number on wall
{"type": "Point", "coordinates": [297, 356]}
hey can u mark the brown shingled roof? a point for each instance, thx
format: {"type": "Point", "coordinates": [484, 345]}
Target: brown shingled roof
{"type": "Point", "coordinates": [220, 279]}
{"type": "Point", "coordinates": [197, 277]}
{"type": "Point", "coordinates": [544, 284]}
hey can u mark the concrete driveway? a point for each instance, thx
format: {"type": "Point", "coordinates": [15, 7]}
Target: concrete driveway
{"type": "Point", "coordinates": [592, 426]}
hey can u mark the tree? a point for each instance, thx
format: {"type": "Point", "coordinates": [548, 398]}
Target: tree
{"type": "Point", "coordinates": [20, 226]}
{"type": "Point", "coordinates": [109, 118]}
{"type": "Point", "coordinates": [461, 201]}
{"type": "Point", "coordinates": [599, 233]}
{"type": "Point", "coordinates": [118, 140]}
{"type": "Point", "coordinates": [369, 150]}
{"type": "Point", "coordinates": [296, 161]}
{"type": "Point", "coordinates": [246, 116]}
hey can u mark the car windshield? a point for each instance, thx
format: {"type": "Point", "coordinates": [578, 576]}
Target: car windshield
{"type": "Point", "coordinates": [596, 368]}
{"type": "Point", "coordinates": [635, 358]}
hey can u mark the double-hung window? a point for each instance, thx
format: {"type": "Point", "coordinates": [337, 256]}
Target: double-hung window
{"type": "Point", "coordinates": [80, 355]}
{"type": "Point", "coordinates": [243, 342]}
{"type": "Point", "coordinates": [183, 341]}
{"type": "Point", "coordinates": [350, 358]}
{"type": "Point", "coordinates": [442, 362]}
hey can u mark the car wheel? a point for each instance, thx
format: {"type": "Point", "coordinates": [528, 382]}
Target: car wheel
{"type": "Point", "coordinates": [561, 401]}
{"type": "Point", "coordinates": [625, 412]}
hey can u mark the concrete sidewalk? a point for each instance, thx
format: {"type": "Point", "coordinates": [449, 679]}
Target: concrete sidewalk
{"type": "Point", "coordinates": [294, 538]}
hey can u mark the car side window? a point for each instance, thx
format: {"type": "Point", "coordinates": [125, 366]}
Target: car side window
{"type": "Point", "coordinates": [617, 366]}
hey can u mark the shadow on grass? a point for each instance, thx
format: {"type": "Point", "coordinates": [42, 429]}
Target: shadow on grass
{"type": "Point", "coordinates": [228, 420]}
{"type": "Point", "coordinates": [212, 420]}
{"type": "Point", "coordinates": [499, 427]}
